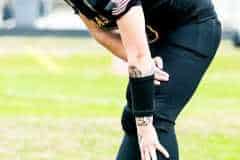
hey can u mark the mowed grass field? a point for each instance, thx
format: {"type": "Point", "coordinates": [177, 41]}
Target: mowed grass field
{"type": "Point", "coordinates": [60, 100]}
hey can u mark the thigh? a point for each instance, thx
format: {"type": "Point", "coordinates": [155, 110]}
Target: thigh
{"type": "Point", "coordinates": [186, 58]}
{"type": "Point", "coordinates": [186, 69]}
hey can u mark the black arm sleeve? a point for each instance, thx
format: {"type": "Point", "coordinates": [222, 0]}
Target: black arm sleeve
{"type": "Point", "coordinates": [142, 96]}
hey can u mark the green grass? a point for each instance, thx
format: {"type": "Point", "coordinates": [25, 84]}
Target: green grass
{"type": "Point", "coordinates": [60, 100]}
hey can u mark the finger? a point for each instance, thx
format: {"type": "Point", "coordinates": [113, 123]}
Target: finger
{"type": "Point", "coordinates": [162, 150]}
{"type": "Point", "coordinates": [159, 62]}
{"type": "Point", "coordinates": [142, 154]}
{"type": "Point", "coordinates": [146, 155]}
{"type": "Point", "coordinates": [162, 72]}
{"type": "Point", "coordinates": [161, 76]}
{"type": "Point", "coordinates": [153, 154]}
{"type": "Point", "coordinates": [156, 82]}
{"type": "Point", "coordinates": [140, 142]}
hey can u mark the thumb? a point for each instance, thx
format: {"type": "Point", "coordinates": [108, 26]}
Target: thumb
{"type": "Point", "coordinates": [160, 148]}
{"type": "Point", "coordinates": [158, 62]}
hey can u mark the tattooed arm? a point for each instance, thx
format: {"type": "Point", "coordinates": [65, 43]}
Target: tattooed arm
{"type": "Point", "coordinates": [134, 39]}
{"type": "Point", "coordinates": [110, 40]}
{"type": "Point", "coordinates": [141, 70]}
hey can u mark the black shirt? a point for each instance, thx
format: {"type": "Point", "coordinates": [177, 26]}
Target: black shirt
{"type": "Point", "coordinates": [164, 14]}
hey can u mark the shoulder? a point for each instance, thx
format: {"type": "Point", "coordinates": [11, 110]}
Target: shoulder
{"type": "Point", "coordinates": [115, 8]}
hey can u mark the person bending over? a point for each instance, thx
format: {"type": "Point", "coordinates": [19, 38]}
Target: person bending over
{"type": "Point", "coordinates": [184, 33]}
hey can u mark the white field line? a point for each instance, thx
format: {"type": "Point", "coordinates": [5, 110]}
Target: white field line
{"type": "Point", "coordinates": [82, 100]}
{"type": "Point", "coordinates": [45, 60]}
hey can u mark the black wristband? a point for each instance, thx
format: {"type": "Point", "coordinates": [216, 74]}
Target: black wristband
{"type": "Point", "coordinates": [142, 94]}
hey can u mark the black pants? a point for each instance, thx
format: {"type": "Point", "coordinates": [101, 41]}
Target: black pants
{"type": "Point", "coordinates": [186, 64]}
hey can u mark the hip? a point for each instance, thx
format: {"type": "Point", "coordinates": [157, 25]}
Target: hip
{"type": "Point", "coordinates": [202, 37]}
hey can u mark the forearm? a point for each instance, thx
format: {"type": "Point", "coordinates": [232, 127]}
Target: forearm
{"type": "Point", "coordinates": [133, 48]}
{"type": "Point", "coordinates": [141, 67]}
{"type": "Point", "coordinates": [110, 40]}
{"type": "Point", "coordinates": [113, 43]}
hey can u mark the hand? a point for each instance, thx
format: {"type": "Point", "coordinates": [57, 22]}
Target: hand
{"type": "Point", "coordinates": [148, 140]}
{"type": "Point", "coordinates": [159, 75]}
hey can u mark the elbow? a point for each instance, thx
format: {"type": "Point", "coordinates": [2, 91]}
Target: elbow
{"type": "Point", "coordinates": [98, 37]}
{"type": "Point", "coordinates": [95, 35]}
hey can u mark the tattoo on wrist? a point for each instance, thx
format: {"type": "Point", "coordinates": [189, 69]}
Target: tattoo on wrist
{"type": "Point", "coordinates": [135, 72]}
{"type": "Point", "coordinates": [144, 121]}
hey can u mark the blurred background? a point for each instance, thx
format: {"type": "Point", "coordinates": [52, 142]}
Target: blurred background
{"type": "Point", "coordinates": [61, 94]}
{"type": "Point", "coordinates": [53, 15]}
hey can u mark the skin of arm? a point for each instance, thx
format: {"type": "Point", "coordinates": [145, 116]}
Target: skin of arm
{"type": "Point", "coordinates": [113, 42]}
{"type": "Point", "coordinates": [135, 42]}
{"type": "Point", "coordinates": [110, 40]}
{"type": "Point", "coordinates": [132, 46]}
{"type": "Point", "coordinates": [134, 39]}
